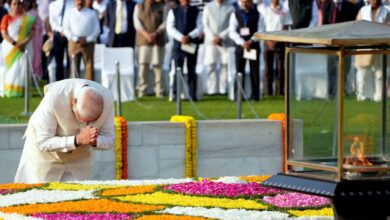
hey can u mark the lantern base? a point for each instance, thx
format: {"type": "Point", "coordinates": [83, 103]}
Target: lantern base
{"type": "Point", "coordinates": [351, 199]}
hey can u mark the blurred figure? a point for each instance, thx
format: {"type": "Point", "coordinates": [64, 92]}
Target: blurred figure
{"type": "Point", "coordinates": [81, 27]}
{"type": "Point", "coordinates": [184, 25]}
{"type": "Point", "coordinates": [17, 29]}
{"type": "Point", "coordinates": [101, 7]}
{"type": "Point", "coordinates": [304, 13]}
{"type": "Point", "coordinates": [30, 6]}
{"type": "Point", "coordinates": [369, 74]}
{"type": "Point", "coordinates": [47, 34]}
{"type": "Point", "coordinates": [216, 16]}
{"type": "Point", "coordinates": [274, 20]}
{"type": "Point", "coordinates": [150, 40]}
{"type": "Point", "coordinates": [119, 19]}
{"type": "Point", "coordinates": [336, 11]}
{"type": "Point", "coordinates": [243, 24]}
{"type": "Point", "coordinates": [3, 12]}
{"type": "Point", "coordinates": [57, 11]}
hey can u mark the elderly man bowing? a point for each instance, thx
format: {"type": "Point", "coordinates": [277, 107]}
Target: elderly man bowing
{"type": "Point", "coordinates": [74, 117]}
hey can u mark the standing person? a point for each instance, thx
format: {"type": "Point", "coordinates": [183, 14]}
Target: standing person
{"type": "Point", "coordinates": [332, 12]}
{"type": "Point", "coordinates": [57, 11]}
{"type": "Point", "coordinates": [150, 40]}
{"type": "Point", "coordinates": [101, 7]}
{"type": "Point", "coordinates": [30, 6]}
{"type": "Point", "coordinates": [3, 12]}
{"type": "Point", "coordinates": [274, 20]}
{"type": "Point", "coordinates": [304, 13]}
{"type": "Point", "coordinates": [119, 19]}
{"type": "Point", "coordinates": [243, 24]}
{"type": "Point", "coordinates": [17, 31]}
{"type": "Point", "coordinates": [184, 27]}
{"type": "Point", "coordinates": [369, 73]}
{"type": "Point", "coordinates": [47, 34]}
{"type": "Point", "coordinates": [75, 116]}
{"type": "Point", "coordinates": [81, 27]}
{"type": "Point", "coordinates": [216, 16]}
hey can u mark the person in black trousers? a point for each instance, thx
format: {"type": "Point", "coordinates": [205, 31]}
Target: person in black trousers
{"type": "Point", "coordinates": [183, 25]}
{"type": "Point", "coordinates": [243, 24]}
{"type": "Point", "coordinates": [124, 36]}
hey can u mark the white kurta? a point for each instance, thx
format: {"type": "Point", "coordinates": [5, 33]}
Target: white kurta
{"type": "Point", "coordinates": [49, 148]}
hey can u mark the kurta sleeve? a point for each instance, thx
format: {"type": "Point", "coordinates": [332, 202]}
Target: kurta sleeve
{"type": "Point", "coordinates": [45, 128]}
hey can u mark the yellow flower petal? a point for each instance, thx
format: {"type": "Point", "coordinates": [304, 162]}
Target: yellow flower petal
{"type": "Point", "coordinates": [129, 190]}
{"type": "Point", "coordinates": [312, 212]}
{"type": "Point", "coordinates": [161, 198]}
{"type": "Point", "coordinates": [74, 186]}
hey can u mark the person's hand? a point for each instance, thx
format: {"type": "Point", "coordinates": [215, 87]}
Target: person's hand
{"type": "Point", "coordinates": [247, 44]}
{"type": "Point", "coordinates": [185, 40]}
{"type": "Point", "coordinates": [217, 41]}
{"type": "Point", "coordinates": [21, 45]}
{"type": "Point", "coordinates": [150, 37]}
{"type": "Point", "coordinates": [82, 41]}
{"type": "Point", "coordinates": [87, 136]}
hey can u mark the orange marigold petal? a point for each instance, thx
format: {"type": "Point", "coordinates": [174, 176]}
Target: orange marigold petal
{"type": "Point", "coordinates": [129, 190]}
{"type": "Point", "coordinates": [257, 179]}
{"type": "Point", "coordinates": [94, 205]}
{"type": "Point", "coordinates": [170, 217]}
{"type": "Point", "coordinates": [20, 185]}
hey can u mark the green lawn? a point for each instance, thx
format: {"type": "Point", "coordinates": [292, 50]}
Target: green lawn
{"type": "Point", "coordinates": [318, 116]}
{"type": "Point", "coordinates": [153, 109]}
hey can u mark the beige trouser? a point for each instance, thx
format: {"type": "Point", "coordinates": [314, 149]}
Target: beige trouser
{"type": "Point", "coordinates": [150, 55]}
{"type": "Point", "coordinates": [86, 53]}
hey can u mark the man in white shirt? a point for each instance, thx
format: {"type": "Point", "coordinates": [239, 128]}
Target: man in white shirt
{"type": "Point", "coordinates": [369, 74]}
{"type": "Point", "coordinates": [243, 24]}
{"type": "Point", "coordinates": [216, 16]}
{"type": "Point", "coordinates": [75, 116]}
{"type": "Point", "coordinates": [57, 11]}
{"type": "Point", "coordinates": [81, 27]}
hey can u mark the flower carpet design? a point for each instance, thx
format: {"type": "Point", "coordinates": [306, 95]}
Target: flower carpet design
{"type": "Point", "coordinates": [224, 198]}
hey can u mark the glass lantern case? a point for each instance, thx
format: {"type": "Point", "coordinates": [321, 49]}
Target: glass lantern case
{"type": "Point", "coordinates": [337, 140]}
{"type": "Point", "coordinates": [337, 127]}
{"type": "Point", "coordinates": [336, 120]}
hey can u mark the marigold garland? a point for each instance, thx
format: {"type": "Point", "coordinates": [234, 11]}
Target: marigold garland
{"type": "Point", "coordinates": [282, 117]}
{"type": "Point", "coordinates": [191, 143]}
{"type": "Point", "coordinates": [121, 136]}
{"type": "Point", "coordinates": [91, 206]}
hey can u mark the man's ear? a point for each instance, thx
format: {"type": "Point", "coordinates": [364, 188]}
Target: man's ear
{"type": "Point", "coordinates": [74, 103]}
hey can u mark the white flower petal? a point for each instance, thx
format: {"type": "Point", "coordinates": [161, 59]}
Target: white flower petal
{"type": "Point", "coordinates": [135, 182]}
{"type": "Point", "coordinates": [44, 196]}
{"type": "Point", "coordinates": [230, 179]}
{"type": "Point", "coordinates": [16, 217]}
{"type": "Point", "coordinates": [230, 214]}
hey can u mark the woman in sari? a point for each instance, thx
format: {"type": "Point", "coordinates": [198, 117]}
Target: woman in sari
{"type": "Point", "coordinates": [16, 29]}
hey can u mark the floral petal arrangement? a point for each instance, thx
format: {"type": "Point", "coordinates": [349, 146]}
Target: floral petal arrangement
{"type": "Point", "coordinates": [225, 198]}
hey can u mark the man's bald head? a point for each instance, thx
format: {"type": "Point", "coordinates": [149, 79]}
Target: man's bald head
{"type": "Point", "coordinates": [88, 104]}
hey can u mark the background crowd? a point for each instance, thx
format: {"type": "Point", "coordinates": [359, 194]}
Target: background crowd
{"type": "Point", "coordinates": [173, 31]}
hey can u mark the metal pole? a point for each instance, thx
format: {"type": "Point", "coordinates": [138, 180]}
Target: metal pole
{"type": "Point", "coordinates": [239, 95]}
{"type": "Point", "coordinates": [384, 103]}
{"type": "Point", "coordinates": [118, 88]}
{"type": "Point", "coordinates": [178, 91]}
{"type": "Point", "coordinates": [73, 68]}
{"type": "Point", "coordinates": [27, 88]}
